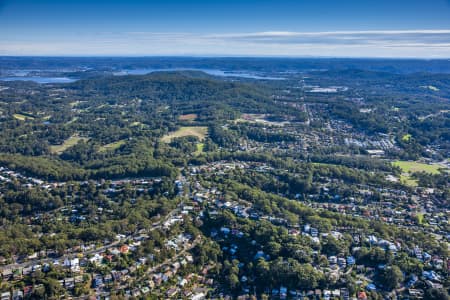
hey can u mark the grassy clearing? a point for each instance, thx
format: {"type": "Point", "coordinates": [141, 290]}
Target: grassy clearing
{"type": "Point", "coordinates": [22, 117]}
{"type": "Point", "coordinates": [260, 118]}
{"type": "Point", "coordinates": [407, 180]}
{"type": "Point", "coordinates": [75, 103]}
{"type": "Point", "coordinates": [112, 146]}
{"type": "Point", "coordinates": [409, 167]}
{"type": "Point", "coordinates": [188, 117]}
{"type": "Point", "coordinates": [72, 121]}
{"type": "Point", "coordinates": [198, 131]}
{"type": "Point", "coordinates": [412, 166]}
{"type": "Point", "coordinates": [72, 141]}
{"type": "Point", "coordinates": [200, 147]}
{"type": "Point", "coordinates": [420, 218]}
{"type": "Point", "coordinates": [406, 137]}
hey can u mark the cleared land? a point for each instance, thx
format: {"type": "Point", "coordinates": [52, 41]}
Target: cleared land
{"type": "Point", "coordinates": [420, 218]}
{"type": "Point", "coordinates": [188, 117]}
{"type": "Point", "coordinates": [72, 141]}
{"type": "Point", "coordinates": [260, 118]}
{"type": "Point", "coordinates": [409, 167]}
{"type": "Point", "coordinates": [76, 103]}
{"type": "Point", "coordinates": [412, 166]}
{"type": "Point", "coordinates": [198, 131]}
{"type": "Point", "coordinates": [407, 180]}
{"type": "Point", "coordinates": [406, 137]}
{"type": "Point", "coordinates": [22, 117]}
{"type": "Point", "coordinates": [200, 147]}
{"type": "Point", "coordinates": [72, 121]}
{"type": "Point", "coordinates": [112, 146]}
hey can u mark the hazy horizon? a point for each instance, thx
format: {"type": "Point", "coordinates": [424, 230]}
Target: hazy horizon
{"type": "Point", "coordinates": [230, 57]}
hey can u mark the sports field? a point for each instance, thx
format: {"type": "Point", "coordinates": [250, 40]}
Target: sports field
{"type": "Point", "coordinates": [413, 166]}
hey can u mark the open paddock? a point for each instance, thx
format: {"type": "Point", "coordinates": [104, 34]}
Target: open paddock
{"type": "Point", "coordinates": [198, 131]}
{"type": "Point", "coordinates": [70, 142]}
{"type": "Point", "coordinates": [188, 117]}
{"type": "Point", "coordinates": [413, 166]}
{"type": "Point", "coordinates": [112, 146]}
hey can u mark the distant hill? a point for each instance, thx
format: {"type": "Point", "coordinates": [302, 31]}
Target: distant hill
{"type": "Point", "coordinates": [400, 66]}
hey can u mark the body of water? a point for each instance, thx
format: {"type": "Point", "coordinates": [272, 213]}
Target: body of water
{"type": "Point", "coordinates": [214, 72]}
{"type": "Point", "coordinates": [38, 79]}
{"type": "Point", "coordinates": [21, 76]}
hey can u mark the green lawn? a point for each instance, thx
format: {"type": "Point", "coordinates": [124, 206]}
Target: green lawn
{"type": "Point", "coordinates": [200, 147]}
{"type": "Point", "coordinates": [407, 180]}
{"type": "Point", "coordinates": [412, 166]}
{"type": "Point", "coordinates": [420, 218]}
{"type": "Point", "coordinates": [198, 131]}
{"type": "Point", "coordinates": [406, 137]}
{"type": "Point", "coordinates": [72, 121]}
{"type": "Point", "coordinates": [72, 141]}
{"type": "Point", "coordinates": [22, 117]}
{"type": "Point", "coordinates": [112, 146]}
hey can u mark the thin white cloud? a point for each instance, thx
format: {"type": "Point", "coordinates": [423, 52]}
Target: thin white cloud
{"type": "Point", "coordinates": [350, 32]}
{"type": "Point", "coordinates": [397, 37]}
{"type": "Point", "coordinates": [378, 43]}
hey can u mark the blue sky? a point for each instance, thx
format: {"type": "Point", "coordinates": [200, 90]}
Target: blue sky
{"type": "Point", "coordinates": [339, 28]}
